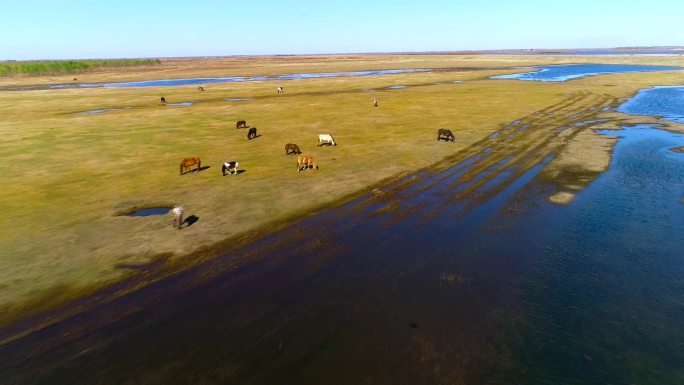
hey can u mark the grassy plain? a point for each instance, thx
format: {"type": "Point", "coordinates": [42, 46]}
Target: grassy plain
{"type": "Point", "coordinates": [68, 176]}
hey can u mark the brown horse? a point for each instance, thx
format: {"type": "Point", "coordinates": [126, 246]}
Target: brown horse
{"type": "Point", "coordinates": [200, 88]}
{"type": "Point", "coordinates": [241, 124]}
{"type": "Point", "coordinates": [163, 100]}
{"type": "Point", "coordinates": [307, 161]}
{"type": "Point", "coordinates": [186, 163]}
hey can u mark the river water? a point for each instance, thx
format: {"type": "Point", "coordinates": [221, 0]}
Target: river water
{"type": "Point", "coordinates": [565, 72]}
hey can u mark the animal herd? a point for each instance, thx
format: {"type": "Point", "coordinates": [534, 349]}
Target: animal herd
{"type": "Point", "coordinates": [304, 162]}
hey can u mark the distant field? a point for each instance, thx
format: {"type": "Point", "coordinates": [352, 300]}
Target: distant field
{"type": "Point", "coordinates": [67, 176]}
{"type": "Point", "coordinates": [43, 67]}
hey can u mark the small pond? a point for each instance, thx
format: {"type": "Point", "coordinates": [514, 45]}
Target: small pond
{"type": "Point", "coordinates": [150, 211]}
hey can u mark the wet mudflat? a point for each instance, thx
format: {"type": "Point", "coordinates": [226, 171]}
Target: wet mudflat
{"type": "Point", "coordinates": [462, 274]}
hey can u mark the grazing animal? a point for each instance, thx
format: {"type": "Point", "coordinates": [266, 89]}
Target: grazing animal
{"type": "Point", "coordinates": [307, 161]}
{"type": "Point", "coordinates": [326, 139]}
{"type": "Point", "coordinates": [241, 124]}
{"type": "Point", "coordinates": [75, 79]}
{"type": "Point", "coordinates": [178, 216]}
{"type": "Point", "coordinates": [163, 100]}
{"type": "Point", "coordinates": [280, 90]}
{"type": "Point", "coordinates": [446, 135]}
{"type": "Point", "coordinates": [186, 163]}
{"type": "Point", "coordinates": [231, 167]}
{"type": "Point", "coordinates": [292, 149]}
{"type": "Point", "coordinates": [251, 134]}
{"type": "Point", "coordinates": [375, 102]}
{"type": "Point", "coordinates": [200, 88]}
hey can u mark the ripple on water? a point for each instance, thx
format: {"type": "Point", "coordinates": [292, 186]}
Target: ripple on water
{"type": "Point", "coordinates": [666, 102]}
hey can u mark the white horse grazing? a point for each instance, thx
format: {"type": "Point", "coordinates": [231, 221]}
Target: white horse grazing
{"type": "Point", "coordinates": [327, 139]}
{"type": "Point", "coordinates": [177, 216]}
{"type": "Point", "coordinates": [231, 167]}
{"type": "Point", "coordinates": [280, 90]}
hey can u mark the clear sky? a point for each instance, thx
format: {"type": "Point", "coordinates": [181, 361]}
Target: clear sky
{"type": "Point", "coordinates": [64, 29]}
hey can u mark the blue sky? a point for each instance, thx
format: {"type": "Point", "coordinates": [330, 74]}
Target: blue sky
{"type": "Point", "coordinates": [31, 29]}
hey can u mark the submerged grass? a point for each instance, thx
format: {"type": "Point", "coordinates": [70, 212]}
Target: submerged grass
{"type": "Point", "coordinates": [67, 176]}
{"type": "Point", "coordinates": [41, 67]}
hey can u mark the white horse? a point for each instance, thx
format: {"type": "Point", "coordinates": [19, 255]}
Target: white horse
{"type": "Point", "coordinates": [280, 90]}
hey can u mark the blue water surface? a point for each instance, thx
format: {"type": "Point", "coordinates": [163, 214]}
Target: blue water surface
{"type": "Point", "coordinates": [236, 79]}
{"type": "Point", "coordinates": [666, 102]}
{"type": "Point", "coordinates": [561, 73]}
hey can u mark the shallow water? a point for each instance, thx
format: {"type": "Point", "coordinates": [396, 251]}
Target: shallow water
{"type": "Point", "coordinates": [238, 99]}
{"type": "Point", "coordinates": [181, 104]}
{"type": "Point", "coordinates": [410, 285]}
{"type": "Point", "coordinates": [150, 211]}
{"type": "Point", "coordinates": [233, 79]}
{"type": "Point", "coordinates": [102, 110]}
{"type": "Point", "coordinates": [666, 102]}
{"type": "Point", "coordinates": [561, 73]}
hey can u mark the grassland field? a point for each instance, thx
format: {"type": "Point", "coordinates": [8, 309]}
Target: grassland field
{"type": "Point", "coordinates": [67, 176]}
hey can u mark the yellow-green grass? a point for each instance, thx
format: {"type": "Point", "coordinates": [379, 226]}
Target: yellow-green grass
{"type": "Point", "coordinates": [66, 176]}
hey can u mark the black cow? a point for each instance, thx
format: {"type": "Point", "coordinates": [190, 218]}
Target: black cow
{"type": "Point", "coordinates": [163, 100]}
{"type": "Point", "coordinates": [252, 133]}
{"type": "Point", "coordinates": [241, 124]}
{"type": "Point", "coordinates": [445, 135]}
{"type": "Point", "coordinates": [292, 149]}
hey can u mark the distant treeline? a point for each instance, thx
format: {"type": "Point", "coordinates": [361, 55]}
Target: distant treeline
{"type": "Point", "coordinates": [68, 66]}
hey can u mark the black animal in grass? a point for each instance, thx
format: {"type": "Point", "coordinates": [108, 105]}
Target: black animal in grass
{"type": "Point", "coordinates": [251, 134]}
{"type": "Point", "coordinates": [163, 100]}
{"type": "Point", "coordinates": [241, 124]}
{"type": "Point", "coordinates": [292, 149]}
{"type": "Point", "coordinates": [445, 135]}
{"type": "Point", "coordinates": [200, 88]}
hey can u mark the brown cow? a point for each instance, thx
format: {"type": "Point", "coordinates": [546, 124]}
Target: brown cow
{"type": "Point", "coordinates": [186, 163]}
{"type": "Point", "coordinates": [292, 149]}
{"type": "Point", "coordinates": [307, 161]}
{"type": "Point", "coordinates": [445, 135]}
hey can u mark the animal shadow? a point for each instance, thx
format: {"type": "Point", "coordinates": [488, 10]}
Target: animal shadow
{"type": "Point", "coordinates": [195, 170]}
{"type": "Point", "coordinates": [190, 220]}
{"type": "Point", "coordinates": [237, 173]}
{"type": "Point", "coordinates": [254, 137]}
